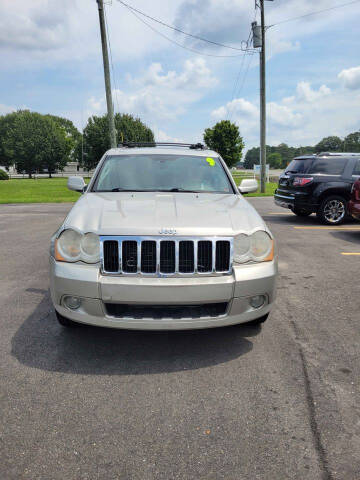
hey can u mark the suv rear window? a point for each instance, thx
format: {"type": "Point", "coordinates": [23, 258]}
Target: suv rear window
{"type": "Point", "coordinates": [328, 166]}
{"type": "Point", "coordinates": [299, 166]}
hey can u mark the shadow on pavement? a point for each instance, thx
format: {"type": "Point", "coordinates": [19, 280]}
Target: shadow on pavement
{"type": "Point", "coordinates": [41, 343]}
{"type": "Point", "coordinates": [348, 236]}
{"type": "Point", "coordinates": [294, 220]}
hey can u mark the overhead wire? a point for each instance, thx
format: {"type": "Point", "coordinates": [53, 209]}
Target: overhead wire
{"type": "Point", "coordinates": [314, 13]}
{"type": "Point", "coordinates": [233, 95]}
{"type": "Point", "coordinates": [177, 29]}
{"type": "Point", "coordinates": [179, 44]}
{"type": "Point", "coordinates": [241, 85]}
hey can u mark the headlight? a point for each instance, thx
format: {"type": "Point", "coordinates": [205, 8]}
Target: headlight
{"type": "Point", "coordinates": [258, 247]}
{"type": "Point", "coordinates": [90, 248]}
{"type": "Point", "coordinates": [72, 246]}
{"type": "Point", "coordinates": [241, 248]}
{"type": "Point", "coordinates": [261, 245]}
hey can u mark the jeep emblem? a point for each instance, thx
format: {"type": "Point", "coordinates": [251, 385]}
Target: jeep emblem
{"type": "Point", "coordinates": [167, 231]}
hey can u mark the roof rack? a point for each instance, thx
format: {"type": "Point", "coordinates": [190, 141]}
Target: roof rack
{"type": "Point", "coordinates": [338, 154]}
{"type": "Point", "coordinates": [192, 146]}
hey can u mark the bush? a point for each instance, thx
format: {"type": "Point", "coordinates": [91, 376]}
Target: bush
{"type": "Point", "coordinates": [3, 175]}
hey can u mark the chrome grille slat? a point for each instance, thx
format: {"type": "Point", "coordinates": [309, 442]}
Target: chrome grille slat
{"type": "Point", "coordinates": [166, 256]}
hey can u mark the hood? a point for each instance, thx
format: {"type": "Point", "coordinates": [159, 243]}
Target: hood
{"type": "Point", "coordinates": [146, 213]}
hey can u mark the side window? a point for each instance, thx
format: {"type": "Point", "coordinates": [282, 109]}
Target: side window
{"type": "Point", "coordinates": [328, 166]}
{"type": "Point", "coordinates": [357, 168]}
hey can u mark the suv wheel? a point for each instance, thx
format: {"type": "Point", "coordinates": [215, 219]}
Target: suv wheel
{"type": "Point", "coordinates": [332, 211]}
{"type": "Point", "coordinates": [301, 213]}
{"type": "Point", "coordinates": [65, 322]}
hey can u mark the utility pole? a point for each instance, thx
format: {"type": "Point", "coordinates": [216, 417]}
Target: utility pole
{"type": "Point", "coordinates": [262, 103]}
{"type": "Point", "coordinates": [109, 102]}
{"type": "Point", "coordinates": [259, 41]}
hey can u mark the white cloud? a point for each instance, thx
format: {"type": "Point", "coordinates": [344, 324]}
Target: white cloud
{"type": "Point", "coordinates": [306, 94]}
{"type": "Point", "coordinates": [158, 95]}
{"type": "Point", "coordinates": [302, 119]}
{"type": "Point", "coordinates": [350, 78]}
{"type": "Point", "coordinates": [283, 116]}
{"type": "Point", "coordinates": [238, 107]}
{"type": "Point", "coordinates": [46, 32]}
{"type": "Point", "coordinates": [161, 136]}
{"type": "Point", "coordinates": [228, 21]}
{"type": "Point", "coordinates": [4, 109]}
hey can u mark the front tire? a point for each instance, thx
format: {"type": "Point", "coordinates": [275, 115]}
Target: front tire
{"type": "Point", "coordinates": [65, 322]}
{"type": "Point", "coordinates": [301, 213]}
{"type": "Point", "coordinates": [332, 210]}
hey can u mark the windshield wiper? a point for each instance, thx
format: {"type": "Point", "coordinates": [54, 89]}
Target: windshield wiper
{"type": "Point", "coordinates": [119, 189]}
{"type": "Point", "coordinates": [180, 190]}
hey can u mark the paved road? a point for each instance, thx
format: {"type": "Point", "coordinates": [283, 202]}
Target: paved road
{"type": "Point", "coordinates": [281, 402]}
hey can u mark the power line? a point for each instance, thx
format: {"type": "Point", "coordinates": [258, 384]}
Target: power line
{"type": "Point", "coordinates": [314, 13]}
{"type": "Point", "coordinates": [239, 74]}
{"type": "Point", "coordinates": [176, 29]}
{"type": "Point", "coordinates": [242, 84]}
{"type": "Point", "coordinates": [179, 44]}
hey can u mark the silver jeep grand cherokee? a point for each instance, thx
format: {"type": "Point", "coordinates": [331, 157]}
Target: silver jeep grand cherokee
{"type": "Point", "coordinates": [162, 239]}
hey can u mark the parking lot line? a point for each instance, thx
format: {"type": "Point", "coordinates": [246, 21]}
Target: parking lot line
{"type": "Point", "coordinates": [279, 213]}
{"type": "Point", "coordinates": [350, 253]}
{"type": "Point", "coordinates": [328, 228]}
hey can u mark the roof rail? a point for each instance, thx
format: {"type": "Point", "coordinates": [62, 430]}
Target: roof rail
{"type": "Point", "coordinates": [193, 146]}
{"type": "Point", "coordinates": [338, 154]}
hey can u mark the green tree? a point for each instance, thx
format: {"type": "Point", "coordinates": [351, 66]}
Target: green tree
{"type": "Point", "coordinates": [34, 142]}
{"type": "Point", "coordinates": [225, 139]}
{"type": "Point", "coordinates": [352, 142]}
{"type": "Point", "coordinates": [330, 144]}
{"type": "Point", "coordinates": [274, 160]}
{"type": "Point", "coordinates": [6, 121]}
{"type": "Point", "coordinates": [71, 132]}
{"type": "Point", "coordinates": [252, 158]}
{"type": "Point", "coordinates": [96, 136]}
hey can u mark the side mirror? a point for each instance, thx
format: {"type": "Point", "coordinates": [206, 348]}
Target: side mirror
{"type": "Point", "coordinates": [76, 183]}
{"type": "Point", "coordinates": [248, 185]}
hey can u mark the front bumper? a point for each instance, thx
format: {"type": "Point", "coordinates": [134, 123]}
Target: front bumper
{"type": "Point", "coordinates": [96, 290]}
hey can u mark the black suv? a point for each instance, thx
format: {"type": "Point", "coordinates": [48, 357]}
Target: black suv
{"type": "Point", "coordinates": [319, 183]}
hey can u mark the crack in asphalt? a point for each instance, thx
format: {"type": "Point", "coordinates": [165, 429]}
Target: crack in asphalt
{"type": "Point", "coordinates": [315, 430]}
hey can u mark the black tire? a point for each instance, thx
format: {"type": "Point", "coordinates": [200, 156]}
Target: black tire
{"type": "Point", "coordinates": [333, 210]}
{"type": "Point", "coordinates": [258, 321]}
{"type": "Point", "coordinates": [301, 213]}
{"type": "Point", "coordinates": [65, 322]}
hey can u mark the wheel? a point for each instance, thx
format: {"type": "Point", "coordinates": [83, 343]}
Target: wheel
{"type": "Point", "coordinates": [333, 210]}
{"type": "Point", "coordinates": [65, 322]}
{"type": "Point", "coordinates": [301, 213]}
{"type": "Point", "coordinates": [258, 321]}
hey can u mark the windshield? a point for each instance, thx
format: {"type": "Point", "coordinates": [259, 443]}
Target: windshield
{"type": "Point", "coordinates": [162, 173]}
{"type": "Point", "coordinates": [299, 166]}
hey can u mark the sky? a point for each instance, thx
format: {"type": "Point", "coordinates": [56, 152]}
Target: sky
{"type": "Point", "coordinates": [51, 62]}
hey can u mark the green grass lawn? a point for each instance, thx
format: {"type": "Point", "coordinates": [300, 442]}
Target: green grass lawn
{"type": "Point", "coordinates": [42, 190]}
{"type": "Point", "coordinates": [269, 192]}
{"type": "Point", "coordinates": [54, 190]}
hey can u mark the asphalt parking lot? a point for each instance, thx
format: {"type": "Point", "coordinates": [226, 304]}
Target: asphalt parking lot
{"type": "Point", "coordinates": [277, 402]}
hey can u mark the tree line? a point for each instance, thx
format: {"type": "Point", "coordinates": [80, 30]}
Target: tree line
{"type": "Point", "coordinates": [33, 142]}
{"type": "Point", "coordinates": [281, 155]}
{"type": "Point", "coordinates": [36, 143]}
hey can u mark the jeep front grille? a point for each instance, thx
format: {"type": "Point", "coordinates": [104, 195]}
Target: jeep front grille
{"type": "Point", "coordinates": [166, 256]}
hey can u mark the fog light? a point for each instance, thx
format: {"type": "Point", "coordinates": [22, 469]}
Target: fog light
{"type": "Point", "coordinates": [73, 303]}
{"type": "Point", "coordinates": [257, 301]}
